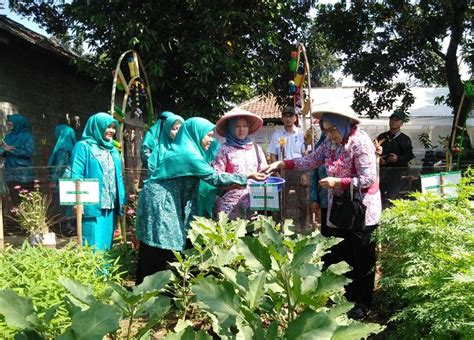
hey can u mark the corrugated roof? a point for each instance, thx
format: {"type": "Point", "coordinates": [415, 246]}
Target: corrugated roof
{"type": "Point", "coordinates": [34, 38]}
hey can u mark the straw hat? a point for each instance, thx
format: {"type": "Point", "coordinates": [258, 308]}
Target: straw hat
{"type": "Point", "coordinates": [345, 112]}
{"type": "Point", "coordinates": [255, 122]}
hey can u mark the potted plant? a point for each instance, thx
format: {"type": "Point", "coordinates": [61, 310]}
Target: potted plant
{"type": "Point", "coordinates": [33, 215]}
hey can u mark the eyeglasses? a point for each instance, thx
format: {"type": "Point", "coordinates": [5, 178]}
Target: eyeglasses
{"type": "Point", "coordinates": [330, 130]}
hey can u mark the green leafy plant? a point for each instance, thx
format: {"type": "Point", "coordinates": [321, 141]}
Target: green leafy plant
{"type": "Point", "coordinates": [273, 284]}
{"type": "Point", "coordinates": [427, 263]}
{"type": "Point", "coordinates": [92, 318]}
{"type": "Point", "coordinates": [34, 272]}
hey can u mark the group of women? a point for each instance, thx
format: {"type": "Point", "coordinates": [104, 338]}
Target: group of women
{"type": "Point", "coordinates": [185, 164]}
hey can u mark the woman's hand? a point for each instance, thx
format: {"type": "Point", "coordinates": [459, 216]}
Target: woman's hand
{"type": "Point", "coordinates": [330, 182]}
{"type": "Point", "coordinates": [258, 176]}
{"type": "Point", "coordinates": [274, 166]}
{"type": "Point", "coordinates": [8, 148]}
{"type": "Point", "coordinates": [317, 211]}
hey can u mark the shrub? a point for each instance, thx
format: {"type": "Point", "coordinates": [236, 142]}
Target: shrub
{"type": "Point", "coordinates": [427, 263]}
{"type": "Point", "coordinates": [35, 272]}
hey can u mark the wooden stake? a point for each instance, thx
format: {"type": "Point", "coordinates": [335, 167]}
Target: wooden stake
{"type": "Point", "coordinates": [2, 243]}
{"type": "Point", "coordinates": [79, 209]}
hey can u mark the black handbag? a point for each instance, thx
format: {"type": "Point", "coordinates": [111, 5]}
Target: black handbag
{"type": "Point", "coordinates": [348, 211]}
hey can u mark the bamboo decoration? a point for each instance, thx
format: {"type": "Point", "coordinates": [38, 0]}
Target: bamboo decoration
{"type": "Point", "coordinates": [300, 80]}
{"type": "Point", "coordinates": [133, 67]}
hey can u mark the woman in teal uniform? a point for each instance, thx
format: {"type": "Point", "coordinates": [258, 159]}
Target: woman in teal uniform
{"type": "Point", "coordinates": [95, 157]}
{"type": "Point", "coordinates": [60, 158]}
{"type": "Point", "coordinates": [168, 200]}
{"type": "Point", "coordinates": [18, 150]}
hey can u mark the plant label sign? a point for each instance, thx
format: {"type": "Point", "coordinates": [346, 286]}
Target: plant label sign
{"type": "Point", "coordinates": [264, 196]}
{"type": "Point", "coordinates": [88, 193]}
{"type": "Point", "coordinates": [443, 183]}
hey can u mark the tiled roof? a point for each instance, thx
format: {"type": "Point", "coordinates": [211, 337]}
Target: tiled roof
{"type": "Point", "coordinates": [32, 37]}
{"type": "Point", "coordinates": [264, 106]}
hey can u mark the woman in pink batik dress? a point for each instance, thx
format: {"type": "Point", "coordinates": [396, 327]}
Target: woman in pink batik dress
{"type": "Point", "coordinates": [239, 154]}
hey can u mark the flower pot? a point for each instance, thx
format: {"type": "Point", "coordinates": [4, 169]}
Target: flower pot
{"type": "Point", "coordinates": [45, 239]}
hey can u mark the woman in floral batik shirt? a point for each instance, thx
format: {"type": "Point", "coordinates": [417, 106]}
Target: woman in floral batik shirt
{"type": "Point", "coordinates": [349, 156]}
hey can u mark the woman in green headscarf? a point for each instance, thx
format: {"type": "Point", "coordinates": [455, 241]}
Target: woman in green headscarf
{"type": "Point", "coordinates": [167, 202]}
{"type": "Point", "coordinates": [171, 125]}
{"type": "Point", "coordinates": [60, 158]}
{"type": "Point", "coordinates": [95, 157]}
{"type": "Point", "coordinates": [207, 193]}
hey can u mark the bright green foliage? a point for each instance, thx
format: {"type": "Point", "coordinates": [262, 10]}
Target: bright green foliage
{"type": "Point", "coordinates": [275, 276]}
{"type": "Point", "coordinates": [92, 318]}
{"type": "Point", "coordinates": [427, 263]}
{"type": "Point", "coordinates": [35, 272]}
{"type": "Point", "coordinates": [380, 41]}
{"type": "Point", "coordinates": [200, 56]}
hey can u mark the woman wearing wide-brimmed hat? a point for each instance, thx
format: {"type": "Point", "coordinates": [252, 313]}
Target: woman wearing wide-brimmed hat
{"type": "Point", "coordinates": [239, 154]}
{"type": "Point", "coordinates": [349, 156]}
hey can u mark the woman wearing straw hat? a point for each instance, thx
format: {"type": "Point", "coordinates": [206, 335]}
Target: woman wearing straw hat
{"type": "Point", "coordinates": [350, 160]}
{"type": "Point", "coordinates": [239, 154]}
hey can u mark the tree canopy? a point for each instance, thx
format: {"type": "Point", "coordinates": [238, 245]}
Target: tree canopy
{"type": "Point", "coordinates": [200, 55]}
{"type": "Point", "coordinates": [379, 40]}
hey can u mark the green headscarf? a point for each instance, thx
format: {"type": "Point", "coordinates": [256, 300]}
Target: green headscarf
{"type": "Point", "coordinates": [65, 140]}
{"type": "Point", "coordinates": [164, 143]}
{"type": "Point", "coordinates": [185, 156]}
{"type": "Point", "coordinates": [207, 193]}
{"type": "Point", "coordinates": [95, 129]}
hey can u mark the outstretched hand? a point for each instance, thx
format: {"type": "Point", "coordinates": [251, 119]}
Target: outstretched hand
{"type": "Point", "coordinates": [258, 176]}
{"type": "Point", "coordinates": [273, 167]}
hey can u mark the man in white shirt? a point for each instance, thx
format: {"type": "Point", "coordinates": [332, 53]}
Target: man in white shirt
{"type": "Point", "coordinates": [287, 144]}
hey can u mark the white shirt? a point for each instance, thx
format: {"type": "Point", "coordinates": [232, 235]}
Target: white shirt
{"type": "Point", "coordinates": [294, 143]}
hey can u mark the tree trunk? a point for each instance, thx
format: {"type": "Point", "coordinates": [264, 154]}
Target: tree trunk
{"type": "Point", "coordinates": [455, 84]}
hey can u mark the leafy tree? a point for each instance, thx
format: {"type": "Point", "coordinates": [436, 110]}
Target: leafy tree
{"type": "Point", "coordinates": [377, 40]}
{"type": "Point", "coordinates": [200, 55]}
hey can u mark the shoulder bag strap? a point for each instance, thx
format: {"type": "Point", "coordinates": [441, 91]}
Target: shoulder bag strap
{"type": "Point", "coordinates": [258, 156]}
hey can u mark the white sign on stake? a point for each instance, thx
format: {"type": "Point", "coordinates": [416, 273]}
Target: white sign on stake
{"type": "Point", "coordinates": [443, 183]}
{"type": "Point", "coordinates": [89, 193]}
{"type": "Point", "coordinates": [258, 191]}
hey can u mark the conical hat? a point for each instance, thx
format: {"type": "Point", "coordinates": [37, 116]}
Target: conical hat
{"type": "Point", "coordinates": [346, 112]}
{"type": "Point", "coordinates": [255, 122]}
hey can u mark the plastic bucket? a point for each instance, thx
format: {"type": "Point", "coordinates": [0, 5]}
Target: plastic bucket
{"type": "Point", "coordinates": [272, 180]}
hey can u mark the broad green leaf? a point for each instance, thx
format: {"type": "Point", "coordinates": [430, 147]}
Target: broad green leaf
{"type": "Point", "coordinates": [238, 279]}
{"type": "Point", "coordinates": [272, 331]}
{"type": "Point", "coordinates": [188, 334]}
{"type": "Point", "coordinates": [340, 308]}
{"type": "Point", "coordinates": [356, 330]}
{"type": "Point", "coordinates": [17, 310]}
{"type": "Point", "coordinates": [256, 290]}
{"type": "Point", "coordinates": [303, 256]}
{"type": "Point", "coordinates": [156, 312]}
{"type": "Point", "coordinates": [256, 255]}
{"type": "Point", "coordinates": [96, 322]}
{"type": "Point", "coordinates": [154, 282]}
{"type": "Point", "coordinates": [80, 291]}
{"type": "Point", "coordinates": [49, 314]}
{"type": "Point", "coordinates": [311, 325]}
{"type": "Point", "coordinates": [28, 335]}
{"type": "Point", "coordinates": [331, 283]}
{"type": "Point", "coordinates": [340, 268]}
{"type": "Point", "coordinates": [309, 274]}
{"type": "Point", "coordinates": [217, 297]}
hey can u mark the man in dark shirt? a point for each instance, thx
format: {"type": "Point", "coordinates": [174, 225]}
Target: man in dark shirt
{"type": "Point", "coordinates": [397, 151]}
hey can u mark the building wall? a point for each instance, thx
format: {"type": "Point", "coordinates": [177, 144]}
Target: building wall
{"type": "Point", "coordinates": [43, 86]}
